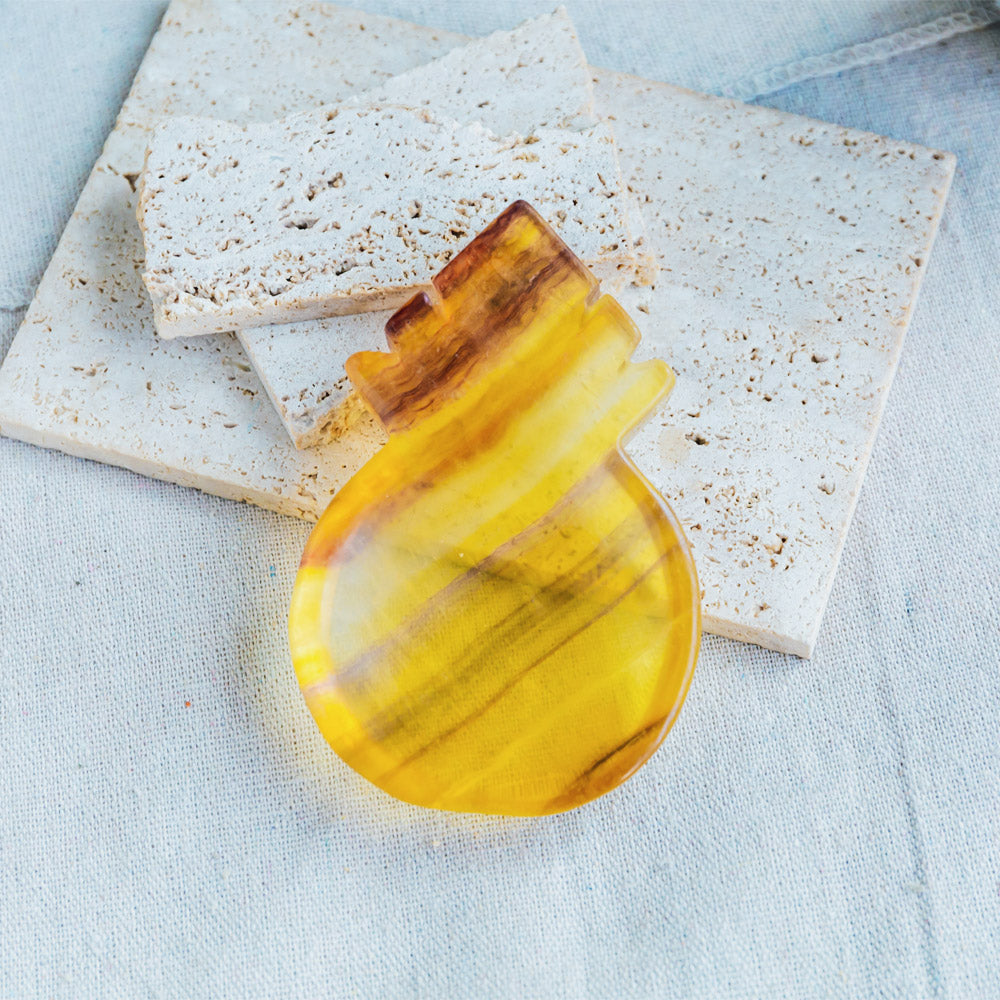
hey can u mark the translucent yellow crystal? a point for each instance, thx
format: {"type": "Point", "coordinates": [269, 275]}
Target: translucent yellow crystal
{"type": "Point", "coordinates": [498, 613]}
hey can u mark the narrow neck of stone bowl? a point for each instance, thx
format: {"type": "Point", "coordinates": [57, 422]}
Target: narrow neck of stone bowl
{"type": "Point", "coordinates": [516, 277]}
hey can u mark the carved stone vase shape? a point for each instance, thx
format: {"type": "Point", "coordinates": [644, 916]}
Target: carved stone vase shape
{"type": "Point", "coordinates": [498, 613]}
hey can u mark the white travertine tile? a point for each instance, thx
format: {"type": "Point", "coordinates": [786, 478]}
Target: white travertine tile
{"type": "Point", "coordinates": [344, 209]}
{"type": "Point", "coordinates": [791, 252]}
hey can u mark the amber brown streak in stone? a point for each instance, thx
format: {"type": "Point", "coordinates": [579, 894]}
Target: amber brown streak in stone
{"type": "Point", "coordinates": [464, 267]}
{"type": "Point", "coordinates": [607, 772]}
{"type": "Point", "coordinates": [544, 611]}
{"type": "Point", "coordinates": [547, 603]}
{"type": "Point", "coordinates": [453, 446]}
{"type": "Point", "coordinates": [505, 690]}
{"type": "Point", "coordinates": [491, 565]}
{"type": "Point", "coordinates": [419, 377]}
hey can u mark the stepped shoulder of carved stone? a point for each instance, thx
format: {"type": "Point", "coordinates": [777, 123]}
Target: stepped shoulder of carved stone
{"type": "Point", "coordinates": [511, 82]}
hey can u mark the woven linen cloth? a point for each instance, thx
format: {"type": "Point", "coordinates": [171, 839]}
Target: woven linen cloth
{"type": "Point", "coordinates": [173, 825]}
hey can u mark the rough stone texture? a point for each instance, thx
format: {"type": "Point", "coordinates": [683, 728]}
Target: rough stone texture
{"type": "Point", "coordinates": [301, 366]}
{"type": "Point", "coordinates": [350, 209]}
{"type": "Point", "coordinates": [791, 252]}
{"type": "Point", "coordinates": [87, 374]}
{"type": "Point", "coordinates": [534, 76]}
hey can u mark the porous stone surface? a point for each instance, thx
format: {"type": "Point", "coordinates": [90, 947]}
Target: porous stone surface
{"type": "Point", "coordinates": [784, 325]}
{"type": "Point", "coordinates": [346, 210]}
{"type": "Point", "coordinates": [534, 76]}
{"type": "Point", "coordinates": [791, 252]}
{"type": "Point", "coordinates": [301, 366]}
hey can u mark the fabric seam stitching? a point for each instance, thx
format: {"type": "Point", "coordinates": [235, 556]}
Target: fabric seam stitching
{"type": "Point", "coordinates": [749, 88]}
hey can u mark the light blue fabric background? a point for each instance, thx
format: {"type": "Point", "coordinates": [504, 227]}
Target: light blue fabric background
{"type": "Point", "coordinates": [810, 829]}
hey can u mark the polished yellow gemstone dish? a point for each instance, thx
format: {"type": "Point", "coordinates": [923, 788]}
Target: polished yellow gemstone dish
{"type": "Point", "coordinates": [498, 613]}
